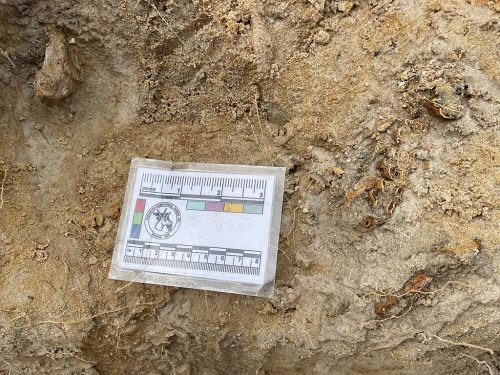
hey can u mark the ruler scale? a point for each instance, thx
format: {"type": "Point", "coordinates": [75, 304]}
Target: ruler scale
{"type": "Point", "coordinates": [176, 186]}
{"type": "Point", "coordinates": [204, 226]}
{"type": "Point", "coordinates": [194, 257]}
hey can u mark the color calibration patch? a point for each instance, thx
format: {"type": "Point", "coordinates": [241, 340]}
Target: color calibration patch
{"type": "Point", "coordinates": [137, 219]}
{"type": "Point", "coordinates": [245, 208]}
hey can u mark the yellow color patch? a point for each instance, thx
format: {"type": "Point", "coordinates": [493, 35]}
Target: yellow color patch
{"type": "Point", "coordinates": [233, 207]}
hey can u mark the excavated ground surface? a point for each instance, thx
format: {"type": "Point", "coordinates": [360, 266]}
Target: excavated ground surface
{"type": "Point", "coordinates": [386, 115]}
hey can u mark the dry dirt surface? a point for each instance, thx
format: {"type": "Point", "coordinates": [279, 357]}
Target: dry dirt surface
{"type": "Point", "coordinates": [386, 115]}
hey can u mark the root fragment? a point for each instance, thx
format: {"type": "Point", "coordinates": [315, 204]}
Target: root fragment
{"type": "Point", "coordinates": [479, 363]}
{"type": "Point", "coordinates": [429, 336]}
{"type": "Point", "coordinates": [2, 187]}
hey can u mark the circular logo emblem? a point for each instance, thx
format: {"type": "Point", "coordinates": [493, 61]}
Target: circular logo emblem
{"type": "Point", "coordinates": [162, 220]}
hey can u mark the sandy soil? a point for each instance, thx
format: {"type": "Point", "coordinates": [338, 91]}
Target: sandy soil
{"type": "Point", "coordinates": [386, 115]}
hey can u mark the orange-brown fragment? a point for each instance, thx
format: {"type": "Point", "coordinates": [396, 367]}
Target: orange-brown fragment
{"type": "Point", "coordinates": [364, 184]}
{"type": "Point", "coordinates": [367, 222]}
{"type": "Point", "coordinates": [385, 305]}
{"type": "Point", "coordinates": [433, 108]}
{"type": "Point", "coordinates": [390, 208]}
{"type": "Point", "coordinates": [417, 283]}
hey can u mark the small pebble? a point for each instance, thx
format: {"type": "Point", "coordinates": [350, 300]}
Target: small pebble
{"type": "Point", "coordinates": [345, 6]}
{"type": "Point", "coordinates": [322, 37]}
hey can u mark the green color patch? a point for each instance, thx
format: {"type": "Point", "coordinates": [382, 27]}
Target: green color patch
{"type": "Point", "coordinates": [137, 218]}
{"type": "Point", "coordinates": [195, 205]}
{"type": "Point", "coordinates": [253, 209]}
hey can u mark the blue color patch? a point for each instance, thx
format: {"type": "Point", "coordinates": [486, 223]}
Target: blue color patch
{"type": "Point", "coordinates": [136, 231]}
